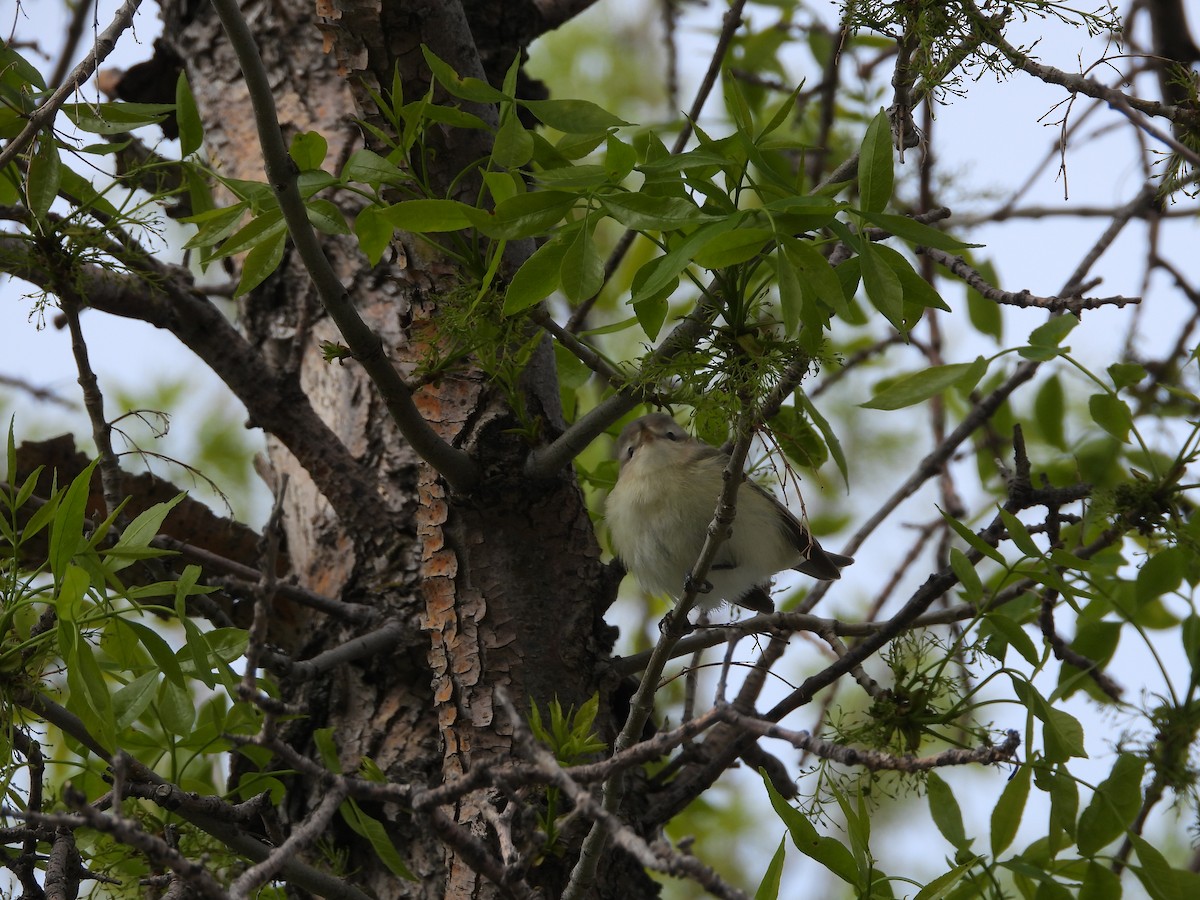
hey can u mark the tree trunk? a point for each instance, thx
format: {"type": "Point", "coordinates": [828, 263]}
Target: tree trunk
{"type": "Point", "coordinates": [499, 590]}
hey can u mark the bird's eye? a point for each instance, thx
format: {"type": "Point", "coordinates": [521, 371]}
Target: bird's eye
{"type": "Point", "coordinates": [671, 436]}
{"type": "Point", "coordinates": [629, 452]}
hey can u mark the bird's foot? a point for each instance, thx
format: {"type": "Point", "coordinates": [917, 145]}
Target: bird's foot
{"type": "Point", "coordinates": [668, 625]}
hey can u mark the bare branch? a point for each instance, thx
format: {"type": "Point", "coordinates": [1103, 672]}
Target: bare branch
{"type": "Point", "coordinates": [219, 826]}
{"type": "Point", "coordinates": [875, 760]}
{"type": "Point", "coordinates": [658, 857]}
{"type": "Point", "coordinates": [1077, 84]}
{"type": "Point", "coordinates": [314, 825]}
{"type": "Point", "coordinates": [959, 266]}
{"type": "Point", "coordinates": [276, 403]}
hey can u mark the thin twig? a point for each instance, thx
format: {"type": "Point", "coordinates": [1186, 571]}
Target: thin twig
{"type": "Point", "coordinates": [44, 114]}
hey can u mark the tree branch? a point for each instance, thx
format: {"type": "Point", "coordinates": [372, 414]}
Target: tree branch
{"type": "Point", "coordinates": [959, 266]}
{"type": "Point", "coordinates": [275, 402]}
{"type": "Point", "coordinates": [44, 114]}
{"type": "Point", "coordinates": [459, 470]}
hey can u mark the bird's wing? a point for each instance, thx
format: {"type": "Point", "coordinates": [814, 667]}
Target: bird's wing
{"type": "Point", "coordinates": [818, 562]}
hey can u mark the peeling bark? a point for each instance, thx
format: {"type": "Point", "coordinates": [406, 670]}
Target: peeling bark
{"type": "Point", "coordinates": [503, 588]}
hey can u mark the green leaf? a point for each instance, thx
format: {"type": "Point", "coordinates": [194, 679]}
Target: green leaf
{"type": "Point", "coordinates": [791, 295]}
{"type": "Point", "coordinates": [781, 114]}
{"type": "Point", "coordinates": [827, 851]}
{"type": "Point", "coordinates": [473, 89]}
{"type": "Point", "coordinates": [916, 290]}
{"type": "Point", "coordinates": [577, 146]}
{"type": "Point", "coordinates": [1113, 806]}
{"type": "Point", "coordinates": [45, 176]}
{"type": "Point", "coordinates": [191, 129]}
{"type": "Point", "coordinates": [420, 113]}
{"type": "Point", "coordinates": [651, 312]}
{"type": "Point", "coordinates": [817, 278]}
{"type": "Point", "coordinates": [1162, 573]}
{"type": "Point", "coordinates": [915, 387]}
{"type": "Point", "coordinates": [215, 225]}
{"type": "Point", "coordinates": [86, 197]}
{"type": "Point", "coordinates": [1019, 534]}
{"type": "Point", "coordinates": [537, 278]}
{"type": "Point", "coordinates": [735, 102]}
{"type": "Point", "coordinates": [374, 232]}
{"type": "Point", "coordinates": [327, 750]}
{"type": "Point", "coordinates": [1063, 791]}
{"type": "Point", "coordinates": [159, 650]}
{"type": "Point", "coordinates": [875, 169]}
{"type": "Point", "coordinates": [967, 576]}
{"type": "Point", "coordinates": [227, 644]}
{"type": "Point", "coordinates": [619, 158]}
{"type": "Point", "coordinates": [944, 808]}
{"type": "Point", "coordinates": [732, 247]}
{"type": "Point", "coordinates": [831, 439]}
{"type": "Point", "coordinates": [513, 146]}
{"type": "Point", "coordinates": [1125, 374]}
{"type": "Point", "coordinates": [1112, 414]}
{"type": "Point", "coordinates": [972, 539]}
{"type": "Point", "coordinates": [262, 260]}
{"type": "Point", "coordinates": [308, 150]}
{"type": "Point", "coordinates": [1190, 635]}
{"type": "Point", "coordinates": [260, 229]}
{"type": "Point", "coordinates": [430, 216]}
{"type": "Point", "coordinates": [89, 695]}
{"type": "Point", "coordinates": [110, 118]}
{"type": "Point", "coordinates": [943, 886]}
{"type": "Point", "coordinates": [525, 215]}
{"type": "Point", "coordinates": [573, 116]}
{"type": "Point", "coordinates": [176, 708]}
{"type": "Point", "coordinates": [985, 314]}
{"type": "Point", "coordinates": [326, 217]}
{"type": "Point", "coordinates": [1050, 335]}
{"type": "Point", "coordinates": [1155, 873]}
{"type": "Point", "coordinates": [66, 530]}
{"type": "Point", "coordinates": [644, 212]}
{"type": "Point", "coordinates": [576, 178]}
{"type": "Point", "coordinates": [138, 534]}
{"type": "Point", "coordinates": [582, 270]}
{"type": "Point", "coordinates": [1063, 736]}
{"type": "Point", "coordinates": [372, 829]}
{"type": "Point", "coordinates": [858, 829]}
{"type": "Point", "coordinates": [1099, 883]}
{"type": "Point", "coordinates": [1006, 816]}
{"type": "Point", "coordinates": [916, 232]}
{"type": "Point", "coordinates": [1049, 411]}
{"type": "Point", "coordinates": [368, 167]}
{"type": "Point", "coordinates": [798, 438]}
{"type": "Point", "coordinates": [1014, 635]}
{"type": "Point", "coordinates": [503, 186]}
{"type": "Point", "coordinates": [131, 701]}
{"type": "Point", "coordinates": [768, 888]}
{"type": "Point", "coordinates": [69, 600]}
{"type": "Point", "coordinates": [665, 269]}
{"type": "Point", "coordinates": [883, 286]}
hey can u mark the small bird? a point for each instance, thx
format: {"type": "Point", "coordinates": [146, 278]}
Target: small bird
{"type": "Point", "coordinates": [660, 509]}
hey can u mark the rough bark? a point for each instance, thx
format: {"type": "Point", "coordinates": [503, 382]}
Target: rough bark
{"type": "Point", "coordinates": [501, 589]}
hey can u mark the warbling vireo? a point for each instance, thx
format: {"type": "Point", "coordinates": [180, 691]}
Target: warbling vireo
{"type": "Point", "coordinates": [659, 512]}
